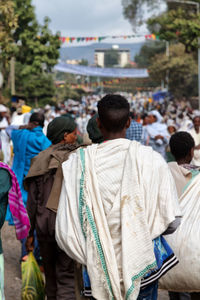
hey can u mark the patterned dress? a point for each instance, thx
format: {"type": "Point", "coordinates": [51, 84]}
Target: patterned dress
{"type": "Point", "coordinates": [5, 185]}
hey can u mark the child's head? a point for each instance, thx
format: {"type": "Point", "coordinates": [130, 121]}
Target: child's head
{"type": "Point", "coordinates": [182, 146]}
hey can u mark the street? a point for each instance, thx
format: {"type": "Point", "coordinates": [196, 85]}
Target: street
{"type": "Point", "coordinates": [11, 248]}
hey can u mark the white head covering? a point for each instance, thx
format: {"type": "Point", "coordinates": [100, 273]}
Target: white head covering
{"type": "Point", "coordinates": [157, 128]}
{"type": "Point", "coordinates": [47, 107]}
{"type": "Point", "coordinates": [3, 108]}
{"type": "Point", "coordinates": [196, 113]}
{"type": "Point", "coordinates": [157, 115]}
{"type": "Point", "coordinates": [171, 122]}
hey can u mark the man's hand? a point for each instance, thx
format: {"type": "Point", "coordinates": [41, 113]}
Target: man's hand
{"type": "Point", "coordinates": [30, 244]}
{"type": "Point", "coordinates": [159, 137]}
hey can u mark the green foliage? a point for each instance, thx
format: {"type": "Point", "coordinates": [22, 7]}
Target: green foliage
{"type": "Point", "coordinates": [134, 9]}
{"type": "Point", "coordinates": [66, 92]}
{"type": "Point", "coordinates": [178, 25]}
{"type": "Point", "coordinates": [111, 58]}
{"type": "Point", "coordinates": [35, 48]}
{"type": "Point", "coordinates": [83, 62]}
{"type": "Point", "coordinates": [8, 24]}
{"type": "Point", "coordinates": [38, 48]}
{"type": "Point", "coordinates": [69, 78]}
{"type": "Point", "coordinates": [34, 87]}
{"type": "Point", "coordinates": [182, 70]}
{"type": "Point", "coordinates": [148, 50]}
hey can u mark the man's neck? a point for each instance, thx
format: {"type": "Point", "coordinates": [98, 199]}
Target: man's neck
{"type": "Point", "coordinates": [183, 161]}
{"type": "Point", "coordinates": [113, 136]}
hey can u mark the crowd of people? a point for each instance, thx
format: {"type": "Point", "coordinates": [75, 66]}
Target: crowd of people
{"type": "Point", "coordinates": [93, 190]}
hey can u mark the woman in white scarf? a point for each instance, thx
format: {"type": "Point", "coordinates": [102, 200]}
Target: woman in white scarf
{"type": "Point", "coordinates": [156, 134]}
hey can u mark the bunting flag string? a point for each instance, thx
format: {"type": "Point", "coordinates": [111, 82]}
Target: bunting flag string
{"type": "Point", "coordinates": [101, 38]}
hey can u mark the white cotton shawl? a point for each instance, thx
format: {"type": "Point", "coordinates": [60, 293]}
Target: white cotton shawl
{"type": "Point", "coordinates": [185, 277]}
{"type": "Point", "coordinates": [116, 198]}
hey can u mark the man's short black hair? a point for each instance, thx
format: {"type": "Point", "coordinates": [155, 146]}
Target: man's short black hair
{"type": "Point", "coordinates": [181, 144]}
{"type": "Point", "coordinates": [113, 112]}
{"type": "Point", "coordinates": [37, 117]}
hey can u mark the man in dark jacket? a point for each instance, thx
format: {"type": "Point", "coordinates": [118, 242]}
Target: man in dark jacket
{"type": "Point", "coordinates": [42, 183]}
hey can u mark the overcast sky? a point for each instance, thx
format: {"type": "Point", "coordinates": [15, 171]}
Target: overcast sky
{"type": "Point", "coordinates": [84, 17]}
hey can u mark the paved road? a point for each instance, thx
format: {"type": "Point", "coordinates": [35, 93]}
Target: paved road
{"type": "Point", "coordinates": [11, 249]}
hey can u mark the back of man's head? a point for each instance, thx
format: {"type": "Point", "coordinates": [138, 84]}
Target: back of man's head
{"type": "Point", "coordinates": [181, 144]}
{"type": "Point", "coordinates": [37, 118]}
{"type": "Point", "coordinates": [113, 111]}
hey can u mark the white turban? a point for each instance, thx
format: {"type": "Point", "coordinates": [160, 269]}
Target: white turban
{"type": "Point", "coordinates": [3, 108]}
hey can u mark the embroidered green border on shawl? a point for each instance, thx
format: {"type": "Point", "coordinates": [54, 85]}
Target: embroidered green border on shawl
{"type": "Point", "coordinates": [96, 235]}
{"type": "Point", "coordinates": [91, 222]}
{"type": "Point", "coordinates": [81, 202]}
{"type": "Point", "coordinates": [141, 274]}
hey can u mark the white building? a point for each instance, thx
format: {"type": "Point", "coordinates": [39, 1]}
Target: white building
{"type": "Point", "coordinates": [124, 56]}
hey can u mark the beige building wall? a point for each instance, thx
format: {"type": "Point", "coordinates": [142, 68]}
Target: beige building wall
{"type": "Point", "coordinates": [124, 59]}
{"type": "Point", "coordinates": [99, 59]}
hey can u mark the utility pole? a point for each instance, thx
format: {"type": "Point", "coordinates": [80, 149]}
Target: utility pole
{"type": "Point", "coordinates": [167, 73]}
{"type": "Point", "coordinates": [199, 71]}
{"type": "Point", "coordinates": [12, 75]}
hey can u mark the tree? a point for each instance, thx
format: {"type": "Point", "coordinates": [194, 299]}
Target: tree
{"type": "Point", "coordinates": [180, 22]}
{"type": "Point", "coordinates": [83, 62]}
{"type": "Point", "coordinates": [35, 87]}
{"type": "Point", "coordinates": [36, 49]}
{"type": "Point", "coordinates": [8, 24]}
{"type": "Point", "coordinates": [182, 69]}
{"type": "Point", "coordinates": [37, 46]}
{"type": "Point", "coordinates": [178, 25]}
{"type": "Point", "coordinates": [134, 10]}
{"type": "Point", "coordinates": [66, 92]}
{"type": "Point", "coordinates": [148, 50]}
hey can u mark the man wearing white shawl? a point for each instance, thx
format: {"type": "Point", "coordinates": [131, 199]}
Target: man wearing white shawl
{"type": "Point", "coordinates": [116, 198]}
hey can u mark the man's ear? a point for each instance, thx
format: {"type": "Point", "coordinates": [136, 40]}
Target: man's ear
{"type": "Point", "coordinates": [128, 123]}
{"type": "Point", "coordinates": [99, 123]}
{"type": "Point", "coordinates": [192, 153]}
